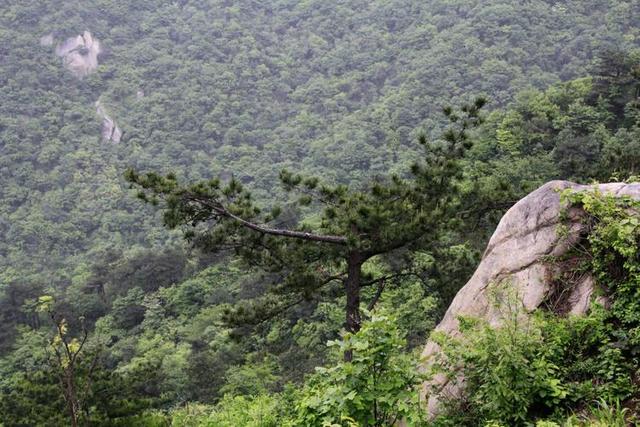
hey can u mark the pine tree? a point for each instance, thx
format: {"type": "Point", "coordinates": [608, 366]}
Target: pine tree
{"type": "Point", "coordinates": [356, 225]}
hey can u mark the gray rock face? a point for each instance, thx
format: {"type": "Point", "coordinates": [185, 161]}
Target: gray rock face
{"type": "Point", "coordinates": [80, 54]}
{"type": "Point", "coordinates": [110, 130]}
{"type": "Point", "coordinates": [516, 256]}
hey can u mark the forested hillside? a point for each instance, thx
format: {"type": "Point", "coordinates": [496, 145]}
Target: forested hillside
{"type": "Point", "coordinates": [341, 91]}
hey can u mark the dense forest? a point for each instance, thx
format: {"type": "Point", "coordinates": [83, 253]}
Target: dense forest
{"type": "Point", "coordinates": [296, 192]}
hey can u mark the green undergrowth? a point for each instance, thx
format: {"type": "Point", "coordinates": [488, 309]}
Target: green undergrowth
{"type": "Point", "coordinates": [377, 387]}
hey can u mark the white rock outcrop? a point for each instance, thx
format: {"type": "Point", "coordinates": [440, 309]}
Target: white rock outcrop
{"type": "Point", "coordinates": [110, 130]}
{"type": "Point", "coordinates": [80, 54]}
{"type": "Point", "coordinates": [516, 253]}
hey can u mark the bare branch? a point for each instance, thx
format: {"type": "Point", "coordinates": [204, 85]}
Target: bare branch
{"type": "Point", "coordinates": [85, 335]}
{"type": "Point", "coordinates": [377, 296]}
{"type": "Point", "coordinates": [339, 240]}
{"type": "Point", "coordinates": [221, 211]}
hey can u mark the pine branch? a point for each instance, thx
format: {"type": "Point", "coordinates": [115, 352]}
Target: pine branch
{"type": "Point", "coordinates": [221, 211]}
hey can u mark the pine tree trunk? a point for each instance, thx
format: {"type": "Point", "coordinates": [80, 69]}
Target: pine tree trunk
{"type": "Point", "coordinates": [352, 290]}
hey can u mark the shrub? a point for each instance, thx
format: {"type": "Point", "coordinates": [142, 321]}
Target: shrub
{"type": "Point", "coordinates": [509, 375]}
{"type": "Point", "coordinates": [378, 387]}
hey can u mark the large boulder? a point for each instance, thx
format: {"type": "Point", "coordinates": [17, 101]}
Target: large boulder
{"type": "Point", "coordinates": [518, 255]}
{"type": "Point", "coordinates": [79, 54]}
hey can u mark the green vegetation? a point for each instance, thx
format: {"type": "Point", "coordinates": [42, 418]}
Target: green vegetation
{"type": "Point", "coordinates": [111, 319]}
{"type": "Point", "coordinates": [377, 388]}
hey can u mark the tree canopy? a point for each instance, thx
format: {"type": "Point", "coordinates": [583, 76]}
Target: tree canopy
{"type": "Point", "coordinates": [228, 94]}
